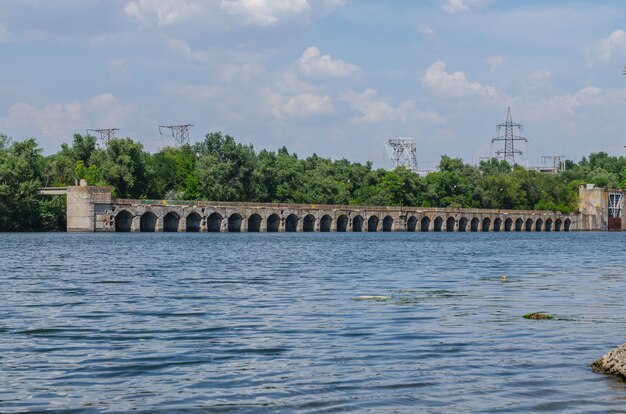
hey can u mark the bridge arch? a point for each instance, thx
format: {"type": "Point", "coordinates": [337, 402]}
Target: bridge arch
{"type": "Point", "coordinates": [558, 224]}
{"type": "Point", "coordinates": [463, 224]}
{"type": "Point", "coordinates": [147, 222]}
{"type": "Point", "coordinates": [123, 221]}
{"type": "Point", "coordinates": [450, 222]}
{"type": "Point", "coordinates": [273, 223]}
{"type": "Point", "coordinates": [474, 224]}
{"type": "Point", "coordinates": [170, 222]}
{"type": "Point", "coordinates": [529, 224]}
{"type": "Point", "coordinates": [387, 223]}
{"type": "Point", "coordinates": [214, 222]}
{"type": "Point", "coordinates": [234, 223]}
{"type": "Point", "coordinates": [497, 224]}
{"type": "Point", "coordinates": [508, 224]}
{"type": "Point", "coordinates": [538, 224]}
{"type": "Point", "coordinates": [342, 223]}
{"type": "Point", "coordinates": [192, 222]}
{"type": "Point", "coordinates": [372, 223]}
{"type": "Point", "coordinates": [291, 223]}
{"type": "Point", "coordinates": [425, 223]}
{"type": "Point", "coordinates": [519, 223]}
{"type": "Point", "coordinates": [254, 223]}
{"type": "Point", "coordinates": [438, 223]}
{"type": "Point", "coordinates": [325, 223]}
{"type": "Point", "coordinates": [567, 224]}
{"type": "Point", "coordinates": [411, 224]}
{"type": "Point", "coordinates": [486, 224]}
{"type": "Point", "coordinates": [357, 223]}
{"type": "Point", "coordinates": [308, 223]}
{"type": "Point", "coordinates": [548, 225]}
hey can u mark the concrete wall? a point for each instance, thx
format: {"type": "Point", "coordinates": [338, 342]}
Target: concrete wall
{"type": "Point", "coordinates": [93, 209]}
{"type": "Point", "coordinates": [83, 203]}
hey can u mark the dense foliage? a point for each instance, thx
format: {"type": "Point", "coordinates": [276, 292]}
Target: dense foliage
{"type": "Point", "coordinates": [219, 168]}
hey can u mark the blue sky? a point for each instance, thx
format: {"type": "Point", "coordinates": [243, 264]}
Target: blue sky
{"type": "Point", "coordinates": [334, 77]}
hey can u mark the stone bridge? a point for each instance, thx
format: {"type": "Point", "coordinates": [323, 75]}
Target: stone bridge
{"type": "Point", "coordinates": [93, 209]}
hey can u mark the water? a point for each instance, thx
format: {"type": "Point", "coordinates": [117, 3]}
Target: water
{"type": "Point", "coordinates": [268, 322]}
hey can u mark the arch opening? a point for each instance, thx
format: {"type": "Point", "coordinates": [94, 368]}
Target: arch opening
{"type": "Point", "coordinates": [387, 223]}
{"type": "Point", "coordinates": [497, 224]}
{"type": "Point", "coordinates": [372, 223]}
{"type": "Point", "coordinates": [548, 225]}
{"type": "Point", "coordinates": [234, 223]}
{"type": "Point", "coordinates": [474, 224]}
{"type": "Point", "coordinates": [357, 224]}
{"type": "Point", "coordinates": [308, 223]}
{"type": "Point", "coordinates": [123, 221]}
{"type": "Point", "coordinates": [325, 223]}
{"type": "Point", "coordinates": [450, 222]}
{"type": "Point", "coordinates": [529, 225]}
{"type": "Point", "coordinates": [558, 225]}
{"type": "Point", "coordinates": [463, 224]}
{"type": "Point", "coordinates": [147, 222]}
{"type": "Point", "coordinates": [273, 223]}
{"type": "Point", "coordinates": [425, 224]}
{"type": "Point", "coordinates": [486, 224]}
{"type": "Point", "coordinates": [254, 223]}
{"type": "Point", "coordinates": [538, 224]}
{"type": "Point", "coordinates": [508, 224]}
{"type": "Point", "coordinates": [214, 223]}
{"type": "Point", "coordinates": [438, 223]}
{"type": "Point", "coordinates": [291, 223]}
{"type": "Point", "coordinates": [192, 223]}
{"type": "Point", "coordinates": [342, 223]}
{"type": "Point", "coordinates": [411, 224]}
{"type": "Point", "coordinates": [170, 222]}
{"type": "Point", "coordinates": [567, 224]}
{"type": "Point", "coordinates": [519, 223]}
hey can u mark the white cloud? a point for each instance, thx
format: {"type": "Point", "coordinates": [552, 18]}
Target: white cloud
{"type": "Point", "coordinates": [376, 110]}
{"type": "Point", "coordinates": [313, 64]}
{"type": "Point", "coordinates": [265, 12]}
{"type": "Point", "coordinates": [495, 62]}
{"type": "Point", "coordinates": [185, 50]}
{"type": "Point", "coordinates": [164, 12]}
{"type": "Point", "coordinates": [427, 31]}
{"type": "Point", "coordinates": [299, 106]}
{"type": "Point", "coordinates": [55, 122]}
{"type": "Point", "coordinates": [463, 6]}
{"type": "Point", "coordinates": [455, 84]}
{"type": "Point", "coordinates": [612, 46]}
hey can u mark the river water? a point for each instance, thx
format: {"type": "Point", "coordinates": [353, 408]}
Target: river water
{"type": "Point", "coordinates": [269, 322]}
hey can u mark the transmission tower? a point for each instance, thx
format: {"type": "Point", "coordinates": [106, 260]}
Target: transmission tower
{"type": "Point", "coordinates": [180, 133]}
{"type": "Point", "coordinates": [508, 152]}
{"type": "Point", "coordinates": [558, 162]}
{"type": "Point", "coordinates": [402, 152]}
{"type": "Point", "coordinates": [106, 134]}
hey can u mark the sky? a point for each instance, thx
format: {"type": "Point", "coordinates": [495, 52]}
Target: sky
{"type": "Point", "coordinates": [332, 77]}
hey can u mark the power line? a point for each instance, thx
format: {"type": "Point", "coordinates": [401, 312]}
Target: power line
{"type": "Point", "coordinates": [508, 152]}
{"type": "Point", "coordinates": [106, 134]}
{"type": "Point", "coordinates": [180, 133]}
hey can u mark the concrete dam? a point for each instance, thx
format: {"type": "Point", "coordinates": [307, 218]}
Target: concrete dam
{"type": "Point", "coordinates": [93, 209]}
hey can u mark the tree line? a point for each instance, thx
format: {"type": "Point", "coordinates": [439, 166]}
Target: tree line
{"type": "Point", "coordinates": [220, 168]}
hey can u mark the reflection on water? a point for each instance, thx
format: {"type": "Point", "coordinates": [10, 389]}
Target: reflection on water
{"type": "Point", "coordinates": [253, 322]}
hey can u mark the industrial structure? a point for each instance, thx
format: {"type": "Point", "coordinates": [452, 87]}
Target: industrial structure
{"type": "Point", "coordinates": [402, 152]}
{"type": "Point", "coordinates": [106, 134]}
{"type": "Point", "coordinates": [508, 151]}
{"type": "Point", "coordinates": [180, 133]}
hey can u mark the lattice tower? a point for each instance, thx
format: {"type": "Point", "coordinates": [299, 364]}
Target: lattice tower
{"type": "Point", "coordinates": [402, 152]}
{"type": "Point", "coordinates": [508, 151]}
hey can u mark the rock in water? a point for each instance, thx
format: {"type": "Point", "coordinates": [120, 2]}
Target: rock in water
{"type": "Point", "coordinates": [612, 363]}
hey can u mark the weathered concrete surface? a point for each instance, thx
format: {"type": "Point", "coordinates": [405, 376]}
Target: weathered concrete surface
{"type": "Point", "coordinates": [613, 363]}
{"type": "Point", "coordinates": [593, 206]}
{"type": "Point", "coordinates": [93, 209]}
